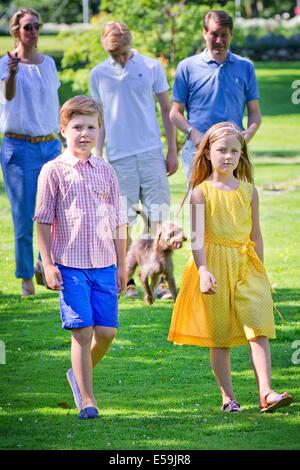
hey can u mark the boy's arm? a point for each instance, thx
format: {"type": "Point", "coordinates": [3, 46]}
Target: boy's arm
{"type": "Point", "coordinates": [208, 282]}
{"type": "Point", "coordinates": [118, 223]}
{"type": "Point", "coordinates": [171, 160]}
{"type": "Point", "coordinates": [52, 273]}
{"type": "Point", "coordinates": [95, 93]}
{"type": "Point", "coordinates": [120, 238]}
{"type": "Point", "coordinates": [255, 234]}
{"type": "Point", "coordinates": [100, 142]}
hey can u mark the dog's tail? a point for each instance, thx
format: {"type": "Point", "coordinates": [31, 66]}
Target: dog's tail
{"type": "Point", "coordinates": [145, 218]}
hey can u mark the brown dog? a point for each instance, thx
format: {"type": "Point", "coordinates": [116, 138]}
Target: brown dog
{"type": "Point", "coordinates": [155, 258]}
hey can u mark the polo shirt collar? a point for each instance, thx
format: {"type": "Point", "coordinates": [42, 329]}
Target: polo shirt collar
{"type": "Point", "coordinates": [206, 57]}
{"type": "Point", "coordinates": [73, 161]}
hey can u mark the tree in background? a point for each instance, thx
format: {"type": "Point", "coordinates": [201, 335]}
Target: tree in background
{"type": "Point", "coordinates": [55, 11]}
{"type": "Point", "coordinates": [166, 29]}
{"type": "Point", "coordinates": [266, 8]}
{"type": "Point", "coordinates": [170, 30]}
{"type": "Point", "coordinates": [70, 11]}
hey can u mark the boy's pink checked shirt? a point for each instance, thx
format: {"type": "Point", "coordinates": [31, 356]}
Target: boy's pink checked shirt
{"type": "Point", "coordinates": [81, 200]}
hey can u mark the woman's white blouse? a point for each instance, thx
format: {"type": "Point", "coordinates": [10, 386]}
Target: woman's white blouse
{"type": "Point", "coordinates": [34, 110]}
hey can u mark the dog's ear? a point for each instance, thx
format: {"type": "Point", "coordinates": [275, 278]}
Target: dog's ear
{"type": "Point", "coordinates": [164, 238]}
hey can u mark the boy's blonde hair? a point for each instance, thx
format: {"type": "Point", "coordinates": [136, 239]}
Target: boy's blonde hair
{"type": "Point", "coordinates": [115, 35]}
{"type": "Point", "coordinates": [79, 105]}
{"type": "Point", "coordinates": [14, 24]}
{"type": "Point", "coordinates": [202, 167]}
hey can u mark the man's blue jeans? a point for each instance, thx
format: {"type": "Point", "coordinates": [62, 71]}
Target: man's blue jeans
{"type": "Point", "coordinates": [21, 163]}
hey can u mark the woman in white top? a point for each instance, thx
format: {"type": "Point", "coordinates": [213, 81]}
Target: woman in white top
{"type": "Point", "coordinates": [29, 115]}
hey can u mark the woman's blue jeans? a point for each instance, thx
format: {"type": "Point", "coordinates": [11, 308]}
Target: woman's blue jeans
{"type": "Point", "coordinates": [21, 163]}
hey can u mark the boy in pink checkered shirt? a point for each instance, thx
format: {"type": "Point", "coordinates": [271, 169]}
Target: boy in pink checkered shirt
{"type": "Point", "coordinates": [81, 229]}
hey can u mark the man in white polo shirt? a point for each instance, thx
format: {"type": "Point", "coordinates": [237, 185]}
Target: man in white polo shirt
{"type": "Point", "coordinates": [126, 85]}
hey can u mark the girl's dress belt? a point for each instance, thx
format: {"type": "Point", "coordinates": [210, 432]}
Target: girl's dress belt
{"type": "Point", "coordinates": [29, 138]}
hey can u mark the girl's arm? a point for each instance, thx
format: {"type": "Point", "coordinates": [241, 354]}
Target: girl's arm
{"type": "Point", "coordinates": [120, 238]}
{"type": "Point", "coordinates": [255, 234]}
{"type": "Point", "coordinates": [52, 273]}
{"type": "Point", "coordinates": [208, 282]}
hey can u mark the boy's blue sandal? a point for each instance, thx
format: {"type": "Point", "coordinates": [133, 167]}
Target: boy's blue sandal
{"type": "Point", "coordinates": [90, 412]}
{"type": "Point", "coordinates": [232, 407]}
{"type": "Point", "coordinates": [75, 389]}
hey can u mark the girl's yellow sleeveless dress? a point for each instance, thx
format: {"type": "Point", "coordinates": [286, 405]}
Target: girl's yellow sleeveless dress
{"type": "Point", "coordinates": [242, 307]}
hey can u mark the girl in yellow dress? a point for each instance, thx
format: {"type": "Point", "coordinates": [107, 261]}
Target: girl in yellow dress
{"type": "Point", "coordinates": [225, 298]}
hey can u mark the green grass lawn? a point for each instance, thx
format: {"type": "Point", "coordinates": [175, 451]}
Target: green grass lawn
{"type": "Point", "coordinates": [279, 132]}
{"type": "Point", "coordinates": [48, 44]}
{"type": "Point", "coordinates": [151, 394]}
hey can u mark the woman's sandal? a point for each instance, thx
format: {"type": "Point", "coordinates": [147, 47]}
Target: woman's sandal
{"type": "Point", "coordinates": [284, 399]}
{"type": "Point", "coordinates": [231, 407]}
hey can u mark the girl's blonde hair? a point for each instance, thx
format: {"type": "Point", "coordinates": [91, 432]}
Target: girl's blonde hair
{"type": "Point", "coordinates": [202, 167]}
{"type": "Point", "coordinates": [115, 35]}
{"type": "Point", "coordinates": [14, 24]}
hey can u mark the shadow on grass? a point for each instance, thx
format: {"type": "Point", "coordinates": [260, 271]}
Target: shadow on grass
{"type": "Point", "coordinates": [151, 395]}
{"type": "Point", "coordinates": [286, 294]}
{"type": "Point", "coordinates": [276, 95]}
{"type": "Point", "coordinates": [294, 65]}
{"type": "Point", "coordinates": [276, 88]}
{"type": "Point", "coordinates": [275, 153]}
{"type": "Point", "coordinates": [14, 303]}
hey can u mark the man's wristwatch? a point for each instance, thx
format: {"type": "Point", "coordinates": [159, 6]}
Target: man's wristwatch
{"type": "Point", "coordinates": [188, 132]}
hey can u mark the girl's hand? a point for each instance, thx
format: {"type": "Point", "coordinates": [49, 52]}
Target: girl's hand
{"type": "Point", "coordinates": [208, 283]}
{"type": "Point", "coordinates": [13, 62]}
{"type": "Point", "coordinates": [53, 277]}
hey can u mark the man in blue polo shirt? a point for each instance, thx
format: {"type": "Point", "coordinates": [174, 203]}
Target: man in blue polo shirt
{"type": "Point", "coordinates": [214, 86]}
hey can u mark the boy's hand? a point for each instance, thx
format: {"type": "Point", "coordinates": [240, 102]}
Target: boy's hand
{"type": "Point", "coordinates": [53, 277]}
{"type": "Point", "coordinates": [171, 162]}
{"type": "Point", "coordinates": [208, 283]}
{"type": "Point", "coordinates": [121, 278]}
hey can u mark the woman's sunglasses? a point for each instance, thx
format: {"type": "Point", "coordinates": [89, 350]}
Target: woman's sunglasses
{"type": "Point", "coordinates": [30, 27]}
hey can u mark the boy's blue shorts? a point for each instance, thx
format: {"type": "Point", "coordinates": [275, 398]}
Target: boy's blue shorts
{"type": "Point", "coordinates": [89, 297]}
